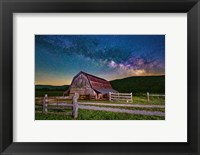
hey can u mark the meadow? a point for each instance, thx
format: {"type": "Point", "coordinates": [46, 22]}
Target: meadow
{"type": "Point", "coordinates": [139, 86]}
{"type": "Point", "coordinates": [105, 115]}
{"type": "Point", "coordinates": [96, 115]}
{"type": "Point", "coordinates": [137, 98]}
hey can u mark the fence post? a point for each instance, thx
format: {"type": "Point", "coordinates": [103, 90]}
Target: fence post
{"type": "Point", "coordinates": [148, 97]}
{"type": "Point", "coordinates": [45, 103]}
{"type": "Point", "coordinates": [75, 105]}
{"type": "Point", "coordinates": [118, 97]}
{"type": "Point", "coordinates": [131, 97]}
{"type": "Point", "coordinates": [109, 96]}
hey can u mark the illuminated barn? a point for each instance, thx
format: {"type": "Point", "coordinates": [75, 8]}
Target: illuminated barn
{"type": "Point", "coordinates": [89, 86]}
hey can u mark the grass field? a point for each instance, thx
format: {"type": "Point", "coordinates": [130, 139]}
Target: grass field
{"type": "Point", "coordinates": [138, 99]}
{"type": "Point", "coordinates": [139, 86]}
{"type": "Point", "coordinates": [132, 108]}
{"type": "Point", "coordinates": [104, 115]}
{"type": "Point", "coordinates": [96, 115]}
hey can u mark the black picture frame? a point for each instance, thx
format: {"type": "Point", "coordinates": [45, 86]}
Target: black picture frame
{"type": "Point", "coordinates": [8, 7]}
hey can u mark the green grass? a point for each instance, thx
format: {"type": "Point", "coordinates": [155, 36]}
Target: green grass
{"type": "Point", "coordinates": [120, 107]}
{"type": "Point", "coordinates": [153, 100]}
{"type": "Point", "coordinates": [139, 99]}
{"type": "Point", "coordinates": [39, 109]}
{"type": "Point", "coordinates": [130, 108]}
{"type": "Point", "coordinates": [96, 115]}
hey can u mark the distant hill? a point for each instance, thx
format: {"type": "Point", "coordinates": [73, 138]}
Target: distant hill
{"type": "Point", "coordinates": [140, 84]}
{"type": "Point", "coordinates": [49, 88]}
{"type": "Point", "coordinates": [135, 84]}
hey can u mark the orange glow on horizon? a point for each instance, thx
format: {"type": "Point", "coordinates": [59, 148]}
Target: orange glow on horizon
{"type": "Point", "coordinates": [68, 82]}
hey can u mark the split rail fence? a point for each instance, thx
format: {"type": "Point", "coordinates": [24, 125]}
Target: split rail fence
{"type": "Point", "coordinates": [155, 95]}
{"type": "Point", "coordinates": [47, 105]}
{"type": "Point", "coordinates": [127, 97]}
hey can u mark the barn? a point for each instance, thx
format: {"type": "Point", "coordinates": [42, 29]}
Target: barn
{"type": "Point", "coordinates": [89, 87]}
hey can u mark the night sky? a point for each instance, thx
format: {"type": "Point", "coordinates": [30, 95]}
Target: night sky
{"type": "Point", "coordinates": [58, 58]}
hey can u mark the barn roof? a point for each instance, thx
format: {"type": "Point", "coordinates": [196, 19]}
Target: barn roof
{"type": "Point", "coordinates": [99, 84]}
{"type": "Point", "coordinates": [91, 76]}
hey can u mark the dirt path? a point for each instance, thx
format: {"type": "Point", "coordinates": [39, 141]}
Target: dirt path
{"type": "Point", "coordinates": [122, 105]}
{"type": "Point", "coordinates": [138, 112]}
{"type": "Point", "coordinates": [91, 106]}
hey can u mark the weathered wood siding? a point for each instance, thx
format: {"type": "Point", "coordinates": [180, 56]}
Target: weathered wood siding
{"type": "Point", "coordinates": [81, 86]}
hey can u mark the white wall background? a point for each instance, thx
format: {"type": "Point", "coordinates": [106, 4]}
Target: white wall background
{"type": "Point", "coordinates": [173, 129]}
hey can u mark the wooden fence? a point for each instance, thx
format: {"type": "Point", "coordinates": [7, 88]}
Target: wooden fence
{"type": "Point", "coordinates": [158, 95]}
{"type": "Point", "coordinates": [46, 106]}
{"type": "Point", "coordinates": [127, 97]}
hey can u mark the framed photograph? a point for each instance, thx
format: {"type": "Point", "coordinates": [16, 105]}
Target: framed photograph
{"type": "Point", "coordinates": [87, 77]}
{"type": "Point", "coordinates": [102, 71]}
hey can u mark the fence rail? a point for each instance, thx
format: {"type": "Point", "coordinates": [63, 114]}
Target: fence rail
{"type": "Point", "coordinates": [156, 95]}
{"type": "Point", "coordinates": [127, 97]}
{"type": "Point", "coordinates": [47, 106]}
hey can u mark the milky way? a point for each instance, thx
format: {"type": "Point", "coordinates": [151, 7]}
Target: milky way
{"type": "Point", "coordinates": [60, 57]}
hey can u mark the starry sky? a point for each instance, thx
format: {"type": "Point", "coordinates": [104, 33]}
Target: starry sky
{"type": "Point", "coordinates": [58, 58]}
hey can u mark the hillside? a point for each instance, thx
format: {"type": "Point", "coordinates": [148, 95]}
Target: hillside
{"type": "Point", "coordinates": [136, 84]}
{"type": "Point", "coordinates": [140, 84]}
{"type": "Point", "coordinates": [49, 88]}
